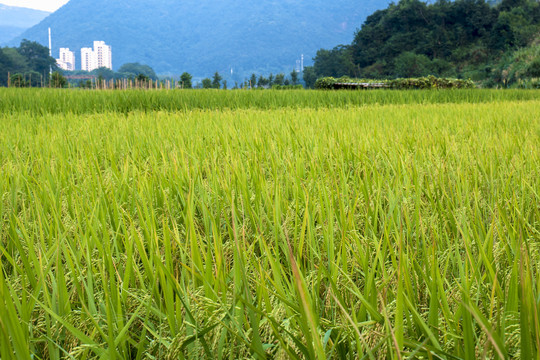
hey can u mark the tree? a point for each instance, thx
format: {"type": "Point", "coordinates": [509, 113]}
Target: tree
{"type": "Point", "coordinates": [271, 80]}
{"type": "Point", "coordinates": [224, 84]}
{"type": "Point", "coordinates": [186, 80]}
{"type": "Point", "coordinates": [336, 62]}
{"type": "Point", "coordinates": [107, 74]}
{"type": "Point", "coordinates": [135, 69]}
{"type": "Point", "coordinates": [11, 61]}
{"type": "Point", "coordinates": [262, 82]}
{"type": "Point", "coordinates": [508, 5]}
{"type": "Point", "coordinates": [207, 83]}
{"type": "Point", "coordinates": [142, 79]}
{"type": "Point", "coordinates": [294, 77]}
{"type": "Point", "coordinates": [216, 81]}
{"type": "Point", "coordinates": [37, 57]}
{"type": "Point", "coordinates": [57, 80]}
{"type": "Point", "coordinates": [280, 78]}
{"type": "Point", "coordinates": [6, 65]}
{"type": "Point", "coordinates": [253, 80]}
{"type": "Point", "coordinates": [87, 84]}
{"type": "Point", "coordinates": [409, 65]}
{"type": "Point", "coordinates": [310, 77]}
{"type": "Point", "coordinates": [533, 69]}
{"type": "Point", "coordinates": [19, 80]}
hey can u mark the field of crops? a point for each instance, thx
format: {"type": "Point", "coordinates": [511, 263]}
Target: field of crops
{"type": "Point", "coordinates": [269, 224]}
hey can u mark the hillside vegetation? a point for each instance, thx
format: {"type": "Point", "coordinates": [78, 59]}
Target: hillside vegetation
{"type": "Point", "coordinates": [463, 38]}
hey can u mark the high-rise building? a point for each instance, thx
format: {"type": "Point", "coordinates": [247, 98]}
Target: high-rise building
{"type": "Point", "coordinates": [100, 56]}
{"type": "Point", "coordinates": [87, 59]}
{"type": "Point", "coordinates": [103, 53]}
{"type": "Point", "coordinates": [66, 60]}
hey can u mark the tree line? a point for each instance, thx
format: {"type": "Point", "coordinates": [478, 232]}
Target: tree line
{"type": "Point", "coordinates": [462, 38]}
{"type": "Point", "coordinates": [254, 82]}
{"type": "Point", "coordinates": [144, 73]}
{"type": "Point", "coordinates": [30, 65]}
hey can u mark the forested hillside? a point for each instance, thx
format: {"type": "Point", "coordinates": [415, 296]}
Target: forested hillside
{"type": "Point", "coordinates": [202, 37]}
{"type": "Point", "coordinates": [465, 38]}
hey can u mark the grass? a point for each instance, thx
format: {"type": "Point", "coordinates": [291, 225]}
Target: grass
{"type": "Point", "coordinates": [260, 225]}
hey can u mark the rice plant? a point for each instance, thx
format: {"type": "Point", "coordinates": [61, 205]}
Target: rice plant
{"type": "Point", "coordinates": [269, 225]}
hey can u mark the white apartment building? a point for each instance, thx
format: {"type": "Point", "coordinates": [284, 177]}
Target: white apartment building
{"type": "Point", "coordinates": [100, 56]}
{"type": "Point", "coordinates": [103, 54]}
{"type": "Point", "coordinates": [87, 59]}
{"type": "Point", "coordinates": [66, 60]}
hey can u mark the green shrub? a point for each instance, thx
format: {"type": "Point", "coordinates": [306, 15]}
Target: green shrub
{"type": "Point", "coordinates": [285, 87]}
{"type": "Point", "coordinates": [534, 68]}
{"type": "Point", "coordinates": [57, 80]}
{"type": "Point", "coordinates": [429, 82]}
{"type": "Point", "coordinates": [325, 83]}
{"type": "Point", "coordinates": [19, 80]}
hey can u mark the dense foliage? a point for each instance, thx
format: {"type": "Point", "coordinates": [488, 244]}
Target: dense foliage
{"type": "Point", "coordinates": [29, 64]}
{"type": "Point", "coordinates": [463, 38]}
{"type": "Point", "coordinates": [269, 224]}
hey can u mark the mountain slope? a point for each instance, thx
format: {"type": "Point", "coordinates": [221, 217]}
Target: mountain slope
{"type": "Point", "coordinates": [15, 20]}
{"type": "Point", "coordinates": [203, 36]}
{"type": "Point", "coordinates": [9, 32]}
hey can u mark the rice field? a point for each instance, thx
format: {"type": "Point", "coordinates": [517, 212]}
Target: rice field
{"type": "Point", "coordinates": [269, 224]}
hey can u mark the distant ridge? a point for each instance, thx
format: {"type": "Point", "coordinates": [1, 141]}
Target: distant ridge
{"type": "Point", "coordinates": [15, 20]}
{"type": "Point", "coordinates": [203, 36]}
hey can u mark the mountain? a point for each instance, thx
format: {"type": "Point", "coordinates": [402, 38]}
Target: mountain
{"type": "Point", "coordinates": [9, 32]}
{"type": "Point", "coordinates": [15, 20]}
{"type": "Point", "coordinates": [204, 36]}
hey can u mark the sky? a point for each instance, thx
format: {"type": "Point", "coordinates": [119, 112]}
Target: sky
{"type": "Point", "coordinates": [47, 5]}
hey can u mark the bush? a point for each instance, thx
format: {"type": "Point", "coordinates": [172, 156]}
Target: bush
{"type": "Point", "coordinates": [287, 87]}
{"type": "Point", "coordinates": [530, 84]}
{"type": "Point", "coordinates": [325, 83]}
{"type": "Point", "coordinates": [19, 80]}
{"type": "Point", "coordinates": [57, 80]}
{"type": "Point", "coordinates": [533, 69]}
{"type": "Point", "coordinates": [430, 82]}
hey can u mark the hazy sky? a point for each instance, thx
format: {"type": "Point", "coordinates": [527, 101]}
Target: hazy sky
{"type": "Point", "coordinates": [47, 5]}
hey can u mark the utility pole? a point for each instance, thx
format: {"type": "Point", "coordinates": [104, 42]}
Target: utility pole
{"type": "Point", "coordinates": [50, 50]}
